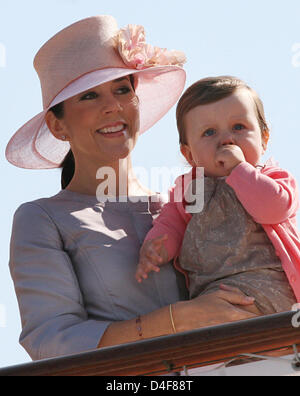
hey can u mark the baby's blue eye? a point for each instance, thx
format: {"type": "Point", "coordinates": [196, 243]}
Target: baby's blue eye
{"type": "Point", "coordinates": [209, 132]}
{"type": "Point", "coordinates": [238, 127]}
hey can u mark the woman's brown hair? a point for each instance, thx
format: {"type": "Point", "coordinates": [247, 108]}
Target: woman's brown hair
{"type": "Point", "coordinates": [210, 90]}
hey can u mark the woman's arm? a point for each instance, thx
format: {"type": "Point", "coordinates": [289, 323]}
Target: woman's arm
{"type": "Point", "coordinates": [54, 319]}
{"type": "Point", "coordinates": [215, 308]}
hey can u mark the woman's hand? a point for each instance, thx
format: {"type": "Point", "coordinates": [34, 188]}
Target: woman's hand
{"type": "Point", "coordinates": [211, 309]}
{"type": "Point", "coordinates": [152, 254]}
{"type": "Point", "coordinates": [222, 306]}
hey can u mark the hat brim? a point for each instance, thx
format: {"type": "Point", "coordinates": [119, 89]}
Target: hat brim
{"type": "Point", "coordinates": [33, 146]}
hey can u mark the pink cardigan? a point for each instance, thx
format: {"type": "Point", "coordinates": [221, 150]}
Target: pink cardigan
{"type": "Point", "coordinates": [269, 195]}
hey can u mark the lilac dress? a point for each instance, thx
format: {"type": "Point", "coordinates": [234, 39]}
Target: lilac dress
{"type": "Point", "coordinates": [73, 262]}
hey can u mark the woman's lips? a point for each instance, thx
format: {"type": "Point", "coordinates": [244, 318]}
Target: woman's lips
{"type": "Point", "coordinates": [113, 131]}
{"type": "Point", "coordinates": [114, 135]}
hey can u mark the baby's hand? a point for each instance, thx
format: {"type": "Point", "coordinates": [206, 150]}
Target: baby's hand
{"type": "Point", "coordinates": [152, 254]}
{"type": "Point", "coordinates": [229, 156]}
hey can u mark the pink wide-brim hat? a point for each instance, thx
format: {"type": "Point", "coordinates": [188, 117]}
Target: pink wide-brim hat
{"type": "Point", "coordinates": [84, 55]}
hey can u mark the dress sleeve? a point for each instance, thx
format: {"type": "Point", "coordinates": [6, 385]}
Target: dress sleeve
{"type": "Point", "coordinates": [270, 195]}
{"type": "Point", "coordinates": [54, 320]}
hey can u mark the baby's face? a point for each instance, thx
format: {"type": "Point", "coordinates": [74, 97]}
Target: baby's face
{"type": "Point", "coordinates": [212, 127]}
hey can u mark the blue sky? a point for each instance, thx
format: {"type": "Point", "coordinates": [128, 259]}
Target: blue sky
{"type": "Point", "coordinates": [256, 40]}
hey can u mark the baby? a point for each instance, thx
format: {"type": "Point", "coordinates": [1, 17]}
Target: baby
{"type": "Point", "coordinates": [246, 235]}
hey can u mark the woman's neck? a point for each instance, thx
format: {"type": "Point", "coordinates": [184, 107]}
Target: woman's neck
{"type": "Point", "coordinates": [110, 180]}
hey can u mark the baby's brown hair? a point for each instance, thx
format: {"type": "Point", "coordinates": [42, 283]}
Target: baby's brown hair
{"type": "Point", "coordinates": [210, 90]}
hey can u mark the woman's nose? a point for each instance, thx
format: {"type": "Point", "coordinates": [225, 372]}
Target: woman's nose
{"type": "Point", "coordinates": [111, 105]}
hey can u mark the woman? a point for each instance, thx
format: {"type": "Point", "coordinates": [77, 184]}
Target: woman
{"type": "Point", "coordinates": [73, 256]}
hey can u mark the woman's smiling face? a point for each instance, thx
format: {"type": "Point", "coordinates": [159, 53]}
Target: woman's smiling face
{"type": "Point", "coordinates": [102, 123]}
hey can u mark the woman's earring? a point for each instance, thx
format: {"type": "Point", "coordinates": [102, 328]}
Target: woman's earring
{"type": "Point", "coordinates": [63, 137]}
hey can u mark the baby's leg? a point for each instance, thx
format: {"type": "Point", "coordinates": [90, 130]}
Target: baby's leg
{"type": "Point", "coordinates": [269, 287]}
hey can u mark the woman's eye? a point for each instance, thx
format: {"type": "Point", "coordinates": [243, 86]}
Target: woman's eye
{"type": "Point", "coordinates": [89, 95]}
{"type": "Point", "coordinates": [209, 132]}
{"type": "Point", "coordinates": [238, 127]}
{"type": "Point", "coordinates": [123, 90]}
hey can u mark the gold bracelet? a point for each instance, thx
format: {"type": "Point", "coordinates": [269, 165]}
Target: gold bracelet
{"type": "Point", "coordinates": [172, 320]}
{"type": "Point", "coordinates": [138, 323]}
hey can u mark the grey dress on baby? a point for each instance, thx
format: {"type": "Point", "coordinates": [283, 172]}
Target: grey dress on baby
{"type": "Point", "coordinates": [224, 245]}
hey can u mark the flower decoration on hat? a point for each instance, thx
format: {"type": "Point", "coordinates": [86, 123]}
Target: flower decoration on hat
{"type": "Point", "coordinates": [137, 54]}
